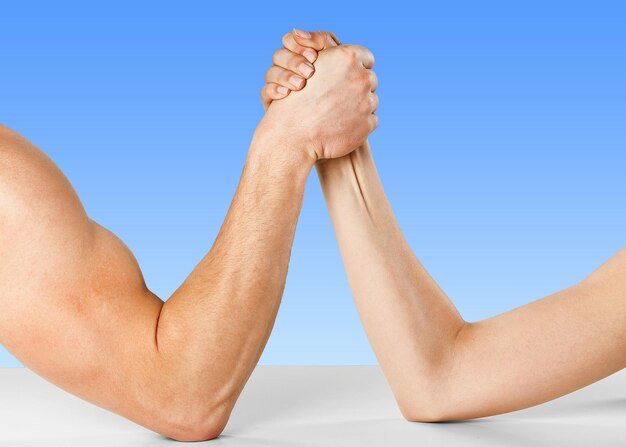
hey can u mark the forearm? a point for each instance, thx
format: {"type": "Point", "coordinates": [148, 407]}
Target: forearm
{"type": "Point", "coordinates": [218, 321]}
{"type": "Point", "coordinates": [410, 322]}
{"type": "Point", "coordinates": [440, 367]}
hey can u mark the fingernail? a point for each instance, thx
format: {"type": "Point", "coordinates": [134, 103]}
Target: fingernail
{"type": "Point", "coordinates": [302, 34]}
{"type": "Point", "coordinates": [310, 55]}
{"type": "Point", "coordinates": [296, 81]}
{"type": "Point", "coordinates": [282, 90]}
{"type": "Point", "coordinates": [305, 70]}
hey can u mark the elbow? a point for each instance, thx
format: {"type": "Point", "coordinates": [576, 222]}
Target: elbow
{"type": "Point", "coordinates": [430, 413]}
{"type": "Point", "coordinates": [194, 424]}
{"type": "Point", "coordinates": [428, 403]}
{"type": "Point", "coordinates": [440, 406]}
{"type": "Point", "coordinates": [425, 407]}
{"type": "Point", "coordinates": [432, 400]}
{"type": "Point", "coordinates": [435, 400]}
{"type": "Point", "coordinates": [436, 397]}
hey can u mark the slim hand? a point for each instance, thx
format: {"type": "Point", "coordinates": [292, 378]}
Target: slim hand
{"type": "Point", "coordinates": [335, 113]}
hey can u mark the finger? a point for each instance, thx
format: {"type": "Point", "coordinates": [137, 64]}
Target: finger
{"type": "Point", "coordinates": [363, 54]}
{"type": "Point", "coordinates": [296, 63]}
{"type": "Point", "coordinates": [374, 102]}
{"type": "Point", "coordinates": [368, 59]}
{"type": "Point", "coordinates": [373, 80]}
{"type": "Point", "coordinates": [373, 122]}
{"type": "Point", "coordinates": [265, 99]}
{"type": "Point", "coordinates": [320, 40]}
{"type": "Point", "coordinates": [307, 44]}
{"type": "Point", "coordinates": [272, 92]}
{"type": "Point", "coordinates": [286, 78]}
{"type": "Point", "coordinates": [293, 46]}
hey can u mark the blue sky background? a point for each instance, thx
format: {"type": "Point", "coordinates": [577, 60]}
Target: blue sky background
{"type": "Point", "coordinates": [501, 143]}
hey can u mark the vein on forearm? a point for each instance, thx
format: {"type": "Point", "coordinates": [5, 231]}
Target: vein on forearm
{"type": "Point", "coordinates": [358, 181]}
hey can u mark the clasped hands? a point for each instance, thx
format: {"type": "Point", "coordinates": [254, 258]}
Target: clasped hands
{"type": "Point", "coordinates": [319, 96]}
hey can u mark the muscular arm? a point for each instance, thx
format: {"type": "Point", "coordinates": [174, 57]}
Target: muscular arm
{"type": "Point", "coordinates": [75, 308]}
{"type": "Point", "coordinates": [439, 366]}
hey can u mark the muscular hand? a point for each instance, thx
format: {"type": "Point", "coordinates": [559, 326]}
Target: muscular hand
{"type": "Point", "coordinates": [293, 64]}
{"type": "Point", "coordinates": [334, 114]}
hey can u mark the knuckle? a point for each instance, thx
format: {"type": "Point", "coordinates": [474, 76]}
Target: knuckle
{"type": "Point", "coordinates": [295, 60]}
{"type": "Point", "coordinates": [373, 119]}
{"type": "Point", "coordinates": [286, 38]}
{"type": "Point", "coordinates": [270, 90]}
{"type": "Point", "coordinates": [284, 75]}
{"type": "Point", "coordinates": [276, 56]}
{"type": "Point", "coordinates": [348, 51]}
{"type": "Point", "coordinates": [276, 74]}
{"type": "Point", "coordinates": [374, 102]}
{"type": "Point", "coordinates": [285, 59]}
{"type": "Point", "coordinates": [330, 41]}
{"type": "Point", "coordinates": [366, 105]}
{"type": "Point", "coordinates": [364, 79]}
{"type": "Point", "coordinates": [333, 37]}
{"type": "Point", "coordinates": [373, 79]}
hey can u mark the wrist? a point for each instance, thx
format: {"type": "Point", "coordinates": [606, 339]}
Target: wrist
{"type": "Point", "coordinates": [280, 149]}
{"type": "Point", "coordinates": [289, 142]}
{"type": "Point", "coordinates": [347, 162]}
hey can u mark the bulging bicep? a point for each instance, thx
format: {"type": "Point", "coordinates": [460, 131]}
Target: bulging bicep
{"type": "Point", "coordinates": [73, 303]}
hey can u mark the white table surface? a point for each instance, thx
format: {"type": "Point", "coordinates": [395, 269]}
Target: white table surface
{"type": "Point", "coordinates": [315, 406]}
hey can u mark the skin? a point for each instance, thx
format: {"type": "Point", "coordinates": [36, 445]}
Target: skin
{"type": "Point", "coordinates": [76, 310]}
{"type": "Point", "coordinates": [441, 367]}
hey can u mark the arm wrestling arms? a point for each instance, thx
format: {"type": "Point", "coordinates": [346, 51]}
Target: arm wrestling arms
{"type": "Point", "coordinates": [75, 306]}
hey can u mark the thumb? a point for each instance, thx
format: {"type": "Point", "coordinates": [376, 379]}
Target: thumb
{"type": "Point", "coordinates": [319, 40]}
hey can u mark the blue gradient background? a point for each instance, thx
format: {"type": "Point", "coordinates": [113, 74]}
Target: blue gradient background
{"type": "Point", "coordinates": [501, 143]}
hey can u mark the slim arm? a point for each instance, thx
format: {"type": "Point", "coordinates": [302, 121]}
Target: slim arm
{"type": "Point", "coordinates": [439, 366]}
